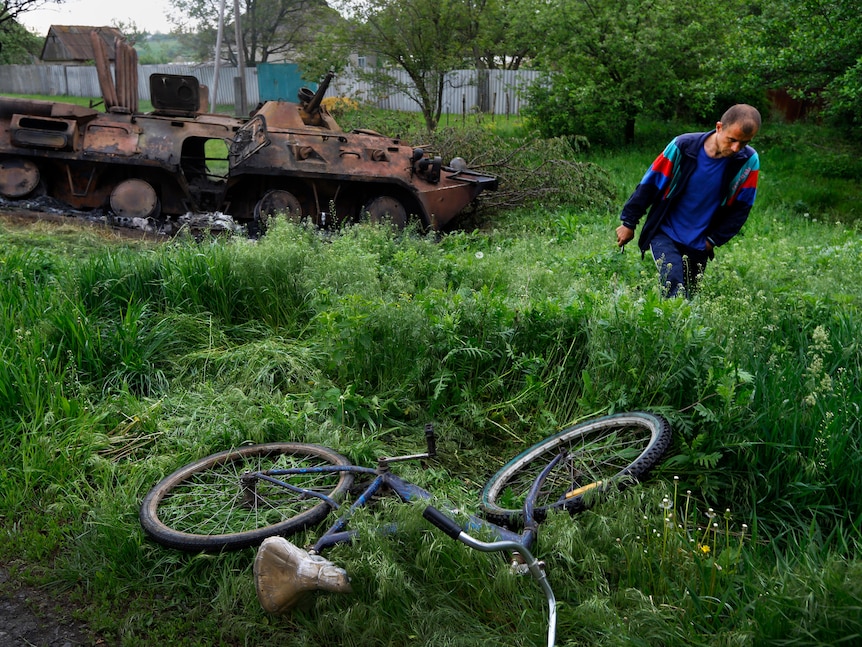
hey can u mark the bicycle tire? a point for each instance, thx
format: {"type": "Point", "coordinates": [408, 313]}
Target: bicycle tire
{"type": "Point", "coordinates": [199, 507]}
{"type": "Point", "coordinates": [611, 451]}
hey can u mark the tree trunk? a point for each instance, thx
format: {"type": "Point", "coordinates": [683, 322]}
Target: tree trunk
{"type": "Point", "coordinates": [630, 130]}
{"type": "Point", "coordinates": [483, 89]}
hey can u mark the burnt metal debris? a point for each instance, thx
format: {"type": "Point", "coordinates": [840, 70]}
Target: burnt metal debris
{"type": "Point", "coordinates": [178, 163]}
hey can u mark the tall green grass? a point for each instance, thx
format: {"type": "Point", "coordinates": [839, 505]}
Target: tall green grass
{"type": "Point", "coordinates": [121, 362]}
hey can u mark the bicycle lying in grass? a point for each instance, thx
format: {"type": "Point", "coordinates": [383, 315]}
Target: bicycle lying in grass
{"type": "Point", "coordinates": [259, 494]}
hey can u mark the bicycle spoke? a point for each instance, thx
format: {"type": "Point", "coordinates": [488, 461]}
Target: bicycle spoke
{"type": "Point", "coordinates": [213, 502]}
{"type": "Point", "coordinates": [596, 454]}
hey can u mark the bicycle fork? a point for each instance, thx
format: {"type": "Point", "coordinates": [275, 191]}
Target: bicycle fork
{"type": "Point", "coordinates": [535, 567]}
{"type": "Point", "coordinates": [520, 546]}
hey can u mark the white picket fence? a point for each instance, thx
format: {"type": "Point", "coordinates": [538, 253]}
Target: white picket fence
{"type": "Point", "coordinates": [460, 94]}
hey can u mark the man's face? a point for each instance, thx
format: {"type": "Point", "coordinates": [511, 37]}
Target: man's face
{"type": "Point", "coordinates": [729, 140]}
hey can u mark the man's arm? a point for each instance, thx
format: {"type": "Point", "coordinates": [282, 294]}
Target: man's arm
{"type": "Point", "coordinates": [653, 183]}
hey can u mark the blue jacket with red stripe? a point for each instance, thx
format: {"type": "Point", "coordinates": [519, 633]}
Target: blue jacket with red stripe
{"type": "Point", "coordinates": [667, 178]}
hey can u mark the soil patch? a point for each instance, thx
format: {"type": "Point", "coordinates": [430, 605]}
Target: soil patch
{"type": "Point", "coordinates": [35, 617]}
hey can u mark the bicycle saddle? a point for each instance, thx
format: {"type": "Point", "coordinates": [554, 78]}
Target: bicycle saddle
{"type": "Point", "coordinates": [284, 574]}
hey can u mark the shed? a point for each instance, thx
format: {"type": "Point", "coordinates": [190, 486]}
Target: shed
{"type": "Point", "coordinates": [72, 44]}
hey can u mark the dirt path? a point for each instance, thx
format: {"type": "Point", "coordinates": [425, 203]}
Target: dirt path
{"type": "Point", "coordinates": [34, 617]}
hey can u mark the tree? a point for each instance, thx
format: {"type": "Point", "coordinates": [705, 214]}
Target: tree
{"type": "Point", "coordinates": [18, 45]}
{"type": "Point", "coordinates": [11, 10]}
{"type": "Point", "coordinates": [499, 38]}
{"type": "Point", "coordinates": [506, 34]}
{"type": "Point", "coordinates": [810, 48]}
{"type": "Point", "coordinates": [270, 28]}
{"type": "Point", "coordinates": [611, 62]}
{"type": "Point", "coordinates": [424, 39]}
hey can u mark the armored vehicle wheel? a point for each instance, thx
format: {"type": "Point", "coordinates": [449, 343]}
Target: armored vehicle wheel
{"type": "Point", "coordinates": [135, 199]}
{"type": "Point", "coordinates": [277, 202]}
{"type": "Point", "coordinates": [18, 178]}
{"type": "Point", "coordinates": [385, 208]}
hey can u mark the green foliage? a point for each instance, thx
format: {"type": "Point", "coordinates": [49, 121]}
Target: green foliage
{"type": "Point", "coordinates": [425, 40]}
{"type": "Point", "coordinates": [614, 62]}
{"type": "Point", "coordinates": [810, 48]}
{"type": "Point", "coordinates": [533, 171]}
{"type": "Point", "coordinates": [844, 101]}
{"type": "Point", "coordinates": [154, 49]}
{"type": "Point", "coordinates": [833, 195]}
{"type": "Point", "coordinates": [119, 362]}
{"type": "Point", "coordinates": [19, 46]}
{"type": "Point", "coordinates": [263, 23]}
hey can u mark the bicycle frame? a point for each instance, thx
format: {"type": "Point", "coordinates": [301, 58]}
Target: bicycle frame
{"type": "Point", "coordinates": [383, 480]}
{"type": "Point", "coordinates": [307, 565]}
{"type": "Point", "coordinates": [268, 506]}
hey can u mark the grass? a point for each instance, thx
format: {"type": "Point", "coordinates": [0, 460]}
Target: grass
{"type": "Point", "coordinates": [120, 361]}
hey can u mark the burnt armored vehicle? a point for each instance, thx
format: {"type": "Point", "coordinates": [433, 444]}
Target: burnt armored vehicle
{"type": "Point", "coordinates": [149, 170]}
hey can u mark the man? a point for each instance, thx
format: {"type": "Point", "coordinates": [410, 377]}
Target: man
{"type": "Point", "coordinates": [699, 193]}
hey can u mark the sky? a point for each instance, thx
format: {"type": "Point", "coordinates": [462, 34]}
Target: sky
{"type": "Point", "coordinates": [148, 15]}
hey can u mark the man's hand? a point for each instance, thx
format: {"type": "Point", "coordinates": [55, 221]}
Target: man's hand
{"type": "Point", "coordinates": [624, 235]}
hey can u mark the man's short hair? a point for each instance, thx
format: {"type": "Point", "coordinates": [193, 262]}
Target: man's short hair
{"type": "Point", "coordinates": [744, 115]}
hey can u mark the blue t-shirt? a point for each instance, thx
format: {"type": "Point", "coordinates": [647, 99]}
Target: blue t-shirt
{"type": "Point", "coordinates": [687, 221]}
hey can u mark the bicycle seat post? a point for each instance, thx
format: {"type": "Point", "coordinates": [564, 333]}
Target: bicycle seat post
{"type": "Point", "coordinates": [383, 462]}
{"type": "Point", "coordinates": [431, 440]}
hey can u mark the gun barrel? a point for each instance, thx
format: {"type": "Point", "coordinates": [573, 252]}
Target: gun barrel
{"type": "Point", "coordinates": [314, 103]}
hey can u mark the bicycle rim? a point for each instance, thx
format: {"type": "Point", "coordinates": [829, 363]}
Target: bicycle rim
{"type": "Point", "coordinates": [612, 451]}
{"type": "Point", "coordinates": [203, 506]}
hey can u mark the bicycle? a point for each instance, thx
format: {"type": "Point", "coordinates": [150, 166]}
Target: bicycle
{"type": "Point", "coordinates": [259, 494]}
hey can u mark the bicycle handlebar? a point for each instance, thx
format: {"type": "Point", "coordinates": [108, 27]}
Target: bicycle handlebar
{"type": "Point", "coordinates": [443, 522]}
{"type": "Point", "coordinates": [447, 525]}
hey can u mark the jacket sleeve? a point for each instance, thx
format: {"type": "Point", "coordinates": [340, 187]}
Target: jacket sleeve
{"type": "Point", "coordinates": [654, 184]}
{"type": "Point", "coordinates": [737, 205]}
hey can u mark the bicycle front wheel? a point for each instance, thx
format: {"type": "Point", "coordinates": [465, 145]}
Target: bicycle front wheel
{"type": "Point", "coordinates": [208, 506]}
{"type": "Point", "coordinates": [612, 451]}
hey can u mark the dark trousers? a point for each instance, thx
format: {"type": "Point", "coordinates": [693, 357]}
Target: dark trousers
{"type": "Point", "coordinates": [679, 266]}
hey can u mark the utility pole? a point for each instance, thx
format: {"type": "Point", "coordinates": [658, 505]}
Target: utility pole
{"type": "Point", "coordinates": [217, 57]}
{"type": "Point", "coordinates": [240, 61]}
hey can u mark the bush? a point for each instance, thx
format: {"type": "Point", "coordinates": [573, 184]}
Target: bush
{"type": "Point", "coordinates": [845, 101]}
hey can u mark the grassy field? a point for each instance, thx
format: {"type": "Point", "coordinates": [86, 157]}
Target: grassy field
{"type": "Point", "coordinates": [121, 361]}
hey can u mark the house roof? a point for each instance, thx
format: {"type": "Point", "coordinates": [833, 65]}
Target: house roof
{"type": "Point", "coordinates": [71, 43]}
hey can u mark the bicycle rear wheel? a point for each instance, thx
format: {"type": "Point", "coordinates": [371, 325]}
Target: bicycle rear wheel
{"type": "Point", "coordinates": [612, 451]}
{"type": "Point", "coordinates": [205, 505]}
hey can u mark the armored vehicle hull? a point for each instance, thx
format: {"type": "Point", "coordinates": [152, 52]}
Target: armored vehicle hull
{"type": "Point", "coordinates": [150, 170]}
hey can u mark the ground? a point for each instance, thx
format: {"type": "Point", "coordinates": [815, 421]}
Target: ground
{"type": "Point", "coordinates": [36, 617]}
